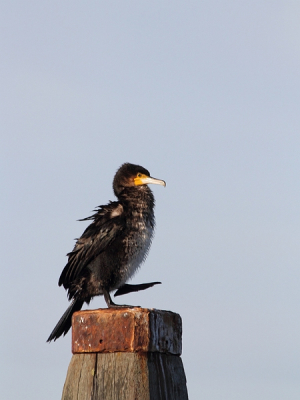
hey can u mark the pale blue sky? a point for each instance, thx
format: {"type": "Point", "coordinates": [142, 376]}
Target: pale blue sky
{"type": "Point", "coordinates": [205, 95]}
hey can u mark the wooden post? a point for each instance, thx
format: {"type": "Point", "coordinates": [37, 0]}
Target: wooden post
{"type": "Point", "coordinates": [126, 354]}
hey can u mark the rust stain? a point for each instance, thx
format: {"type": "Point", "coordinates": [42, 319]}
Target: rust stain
{"type": "Point", "coordinates": [126, 330]}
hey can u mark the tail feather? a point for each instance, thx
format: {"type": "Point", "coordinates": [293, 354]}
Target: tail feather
{"type": "Point", "coordinates": [64, 324]}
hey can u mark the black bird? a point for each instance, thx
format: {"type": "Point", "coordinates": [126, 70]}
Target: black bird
{"type": "Point", "coordinates": [112, 247]}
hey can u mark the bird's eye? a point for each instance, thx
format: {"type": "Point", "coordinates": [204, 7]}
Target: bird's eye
{"type": "Point", "coordinates": [139, 175]}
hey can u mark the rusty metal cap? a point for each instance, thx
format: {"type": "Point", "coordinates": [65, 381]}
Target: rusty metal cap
{"type": "Point", "coordinates": [126, 330]}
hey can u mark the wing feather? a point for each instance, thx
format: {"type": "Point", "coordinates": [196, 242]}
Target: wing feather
{"type": "Point", "coordinates": [108, 224]}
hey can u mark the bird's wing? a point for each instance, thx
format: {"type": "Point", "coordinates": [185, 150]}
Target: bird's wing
{"type": "Point", "coordinates": [107, 226]}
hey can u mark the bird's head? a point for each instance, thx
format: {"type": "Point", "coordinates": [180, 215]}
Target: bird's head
{"type": "Point", "coordinates": [131, 175]}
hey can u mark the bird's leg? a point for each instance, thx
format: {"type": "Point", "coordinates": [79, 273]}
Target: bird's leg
{"type": "Point", "coordinates": [108, 299]}
{"type": "Point", "coordinates": [126, 288]}
{"type": "Point", "coordinates": [110, 303]}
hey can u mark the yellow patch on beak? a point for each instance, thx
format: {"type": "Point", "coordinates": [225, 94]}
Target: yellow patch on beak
{"type": "Point", "coordinates": [142, 179]}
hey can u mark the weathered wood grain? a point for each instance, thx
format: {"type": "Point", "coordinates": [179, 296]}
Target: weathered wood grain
{"type": "Point", "coordinates": [121, 376]}
{"type": "Point", "coordinates": [125, 376]}
{"type": "Point", "coordinates": [166, 377]}
{"type": "Point", "coordinates": [80, 377]}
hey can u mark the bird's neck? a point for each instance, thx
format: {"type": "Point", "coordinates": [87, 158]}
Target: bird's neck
{"type": "Point", "coordinates": [138, 199]}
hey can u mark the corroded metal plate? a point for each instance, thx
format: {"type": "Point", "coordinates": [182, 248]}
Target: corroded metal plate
{"type": "Point", "coordinates": [126, 330]}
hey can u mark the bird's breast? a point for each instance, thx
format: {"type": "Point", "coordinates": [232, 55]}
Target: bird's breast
{"type": "Point", "coordinates": [136, 243]}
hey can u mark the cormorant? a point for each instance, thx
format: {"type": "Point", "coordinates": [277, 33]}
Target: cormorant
{"type": "Point", "coordinates": [112, 247]}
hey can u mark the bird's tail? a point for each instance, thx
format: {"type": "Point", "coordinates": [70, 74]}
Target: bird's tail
{"type": "Point", "coordinates": [64, 324]}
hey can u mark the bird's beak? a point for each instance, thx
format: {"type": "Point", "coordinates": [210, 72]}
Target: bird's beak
{"type": "Point", "coordinates": [145, 180]}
